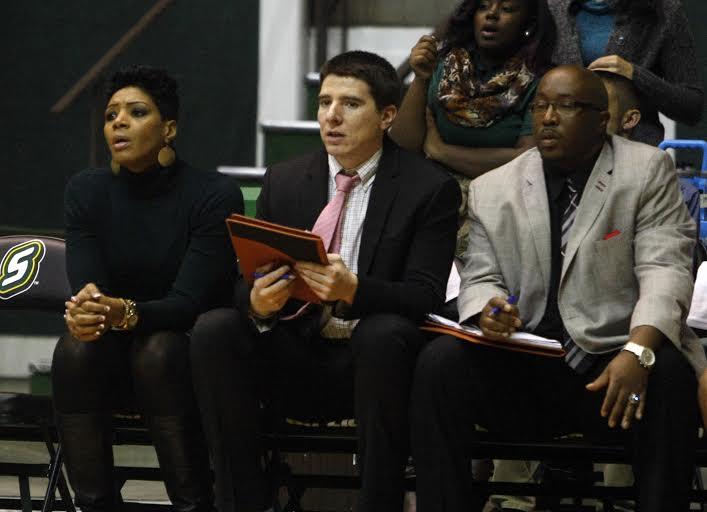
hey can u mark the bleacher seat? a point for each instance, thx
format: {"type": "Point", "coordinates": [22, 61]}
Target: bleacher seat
{"type": "Point", "coordinates": [250, 180]}
{"type": "Point", "coordinates": [287, 139]}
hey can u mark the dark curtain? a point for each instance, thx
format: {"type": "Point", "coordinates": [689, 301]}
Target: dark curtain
{"type": "Point", "coordinates": [211, 46]}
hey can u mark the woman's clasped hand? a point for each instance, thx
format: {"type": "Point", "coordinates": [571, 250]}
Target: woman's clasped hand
{"type": "Point", "coordinates": [90, 313]}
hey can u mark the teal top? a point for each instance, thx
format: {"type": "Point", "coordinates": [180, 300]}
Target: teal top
{"type": "Point", "coordinates": [595, 24]}
{"type": "Point", "coordinates": [503, 133]}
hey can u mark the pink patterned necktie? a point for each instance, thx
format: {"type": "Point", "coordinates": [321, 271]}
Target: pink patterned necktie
{"type": "Point", "coordinates": [328, 225]}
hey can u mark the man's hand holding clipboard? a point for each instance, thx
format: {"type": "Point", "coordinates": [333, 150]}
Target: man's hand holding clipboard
{"type": "Point", "coordinates": [332, 282]}
{"type": "Point", "coordinates": [265, 248]}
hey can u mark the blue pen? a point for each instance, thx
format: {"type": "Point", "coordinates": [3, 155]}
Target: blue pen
{"type": "Point", "coordinates": [286, 276]}
{"type": "Point", "coordinates": [513, 300]}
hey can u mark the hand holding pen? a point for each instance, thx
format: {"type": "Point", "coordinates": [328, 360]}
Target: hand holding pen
{"type": "Point", "coordinates": [500, 318]}
{"type": "Point", "coordinates": [271, 289]}
{"type": "Point", "coordinates": [511, 300]}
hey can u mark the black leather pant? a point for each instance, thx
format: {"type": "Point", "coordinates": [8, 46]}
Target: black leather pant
{"type": "Point", "coordinates": [123, 371]}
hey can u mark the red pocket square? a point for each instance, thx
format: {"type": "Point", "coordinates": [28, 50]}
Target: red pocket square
{"type": "Point", "coordinates": [612, 234]}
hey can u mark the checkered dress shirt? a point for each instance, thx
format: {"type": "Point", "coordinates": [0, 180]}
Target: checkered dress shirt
{"type": "Point", "coordinates": [351, 229]}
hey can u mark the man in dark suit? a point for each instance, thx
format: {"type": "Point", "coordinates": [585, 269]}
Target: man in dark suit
{"type": "Point", "coordinates": [353, 355]}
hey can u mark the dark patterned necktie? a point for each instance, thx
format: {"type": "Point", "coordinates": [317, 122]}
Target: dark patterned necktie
{"type": "Point", "coordinates": [568, 215]}
{"type": "Point", "coordinates": [577, 359]}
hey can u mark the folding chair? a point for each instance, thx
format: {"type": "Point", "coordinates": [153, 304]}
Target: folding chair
{"type": "Point", "coordinates": [32, 278]}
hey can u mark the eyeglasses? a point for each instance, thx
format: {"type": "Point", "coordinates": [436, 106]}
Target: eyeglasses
{"type": "Point", "coordinates": [564, 108]}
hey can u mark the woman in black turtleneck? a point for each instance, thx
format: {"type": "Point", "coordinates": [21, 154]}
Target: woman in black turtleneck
{"type": "Point", "coordinates": [147, 251]}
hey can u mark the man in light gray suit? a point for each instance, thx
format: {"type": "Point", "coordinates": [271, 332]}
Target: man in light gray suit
{"type": "Point", "coordinates": [593, 238]}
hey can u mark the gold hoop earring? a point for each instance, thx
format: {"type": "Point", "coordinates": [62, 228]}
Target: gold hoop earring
{"type": "Point", "coordinates": [115, 167]}
{"type": "Point", "coordinates": [166, 156]}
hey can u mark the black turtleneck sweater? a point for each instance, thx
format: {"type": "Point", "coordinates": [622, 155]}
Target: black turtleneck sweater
{"type": "Point", "coordinates": [157, 237]}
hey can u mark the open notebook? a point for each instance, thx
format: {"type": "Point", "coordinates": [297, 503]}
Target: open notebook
{"type": "Point", "coordinates": [519, 341]}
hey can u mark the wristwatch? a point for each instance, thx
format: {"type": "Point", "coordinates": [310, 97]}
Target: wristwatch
{"type": "Point", "coordinates": [646, 357]}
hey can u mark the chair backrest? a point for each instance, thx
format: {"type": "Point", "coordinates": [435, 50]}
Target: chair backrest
{"type": "Point", "coordinates": [33, 273]}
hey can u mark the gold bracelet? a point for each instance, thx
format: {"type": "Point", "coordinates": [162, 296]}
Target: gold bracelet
{"type": "Point", "coordinates": [130, 316]}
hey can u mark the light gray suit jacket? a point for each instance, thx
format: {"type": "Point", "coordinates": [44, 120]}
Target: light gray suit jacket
{"type": "Point", "coordinates": [642, 276]}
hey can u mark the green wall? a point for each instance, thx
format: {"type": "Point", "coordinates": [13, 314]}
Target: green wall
{"type": "Point", "coordinates": [211, 46]}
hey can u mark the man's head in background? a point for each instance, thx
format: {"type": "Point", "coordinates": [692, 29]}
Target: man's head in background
{"type": "Point", "coordinates": [624, 104]}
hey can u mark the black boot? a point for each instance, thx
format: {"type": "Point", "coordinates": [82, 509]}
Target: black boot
{"type": "Point", "coordinates": [184, 461]}
{"type": "Point", "coordinates": [86, 440]}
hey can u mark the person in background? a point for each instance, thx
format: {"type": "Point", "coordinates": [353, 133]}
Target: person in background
{"type": "Point", "coordinates": [467, 106]}
{"type": "Point", "coordinates": [646, 41]}
{"type": "Point", "coordinates": [391, 218]}
{"type": "Point", "coordinates": [593, 237]}
{"type": "Point", "coordinates": [625, 105]}
{"type": "Point", "coordinates": [147, 250]}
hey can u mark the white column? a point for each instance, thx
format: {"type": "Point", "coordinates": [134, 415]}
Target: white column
{"type": "Point", "coordinates": [669, 126]}
{"type": "Point", "coordinates": [670, 132]}
{"type": "Point", "coordinates": [281, 64]}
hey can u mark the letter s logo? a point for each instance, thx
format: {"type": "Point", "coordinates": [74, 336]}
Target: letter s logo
{"type": "Point", "coordinates": [20, 267]}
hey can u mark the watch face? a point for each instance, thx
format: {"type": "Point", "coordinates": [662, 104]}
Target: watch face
{"type": "Point", "coordinates": [647, 357]}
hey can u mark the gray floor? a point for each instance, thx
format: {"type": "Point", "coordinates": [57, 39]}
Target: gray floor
{"type": "Point", "coordinates": [36, 453]}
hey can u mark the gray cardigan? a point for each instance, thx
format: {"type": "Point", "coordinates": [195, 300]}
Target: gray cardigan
{"type": "Point", "coordinates": [663, 57]}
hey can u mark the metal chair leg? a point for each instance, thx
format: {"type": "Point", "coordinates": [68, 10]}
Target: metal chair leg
{"type": "Point", "coordinates": [25, 496]}
{"type": "Point", "coordinates": [700, 485]}
{"type": "Point", "coordinates": [55, 473]}
{"type": "Point", "coordinates": [64, 491]}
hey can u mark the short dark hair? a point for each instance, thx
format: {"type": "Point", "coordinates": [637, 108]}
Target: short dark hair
{"type": "Point", "coordinates": [627, 94]}
{"type": "Point", "coordinates": [537, 49]}
{"type": "Point", "coordinates": [378, 73]}
{"type": "Point", "coordinates": [157, 83]}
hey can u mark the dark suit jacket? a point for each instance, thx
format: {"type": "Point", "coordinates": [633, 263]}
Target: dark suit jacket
{"type": "Point", "coordinates": [409, 232]}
